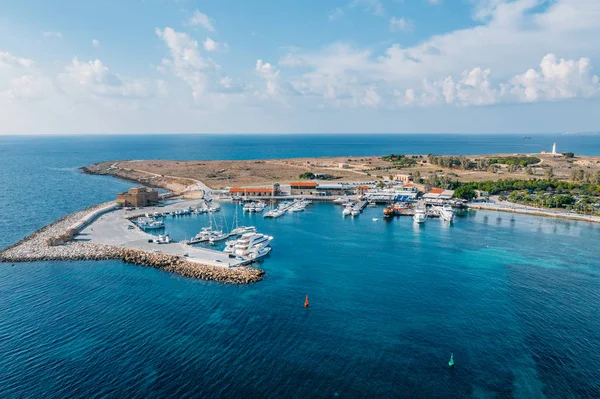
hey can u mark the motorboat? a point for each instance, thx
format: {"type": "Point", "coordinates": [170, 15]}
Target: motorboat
{"type": "Point", "coordinates": [240, 230]}
{"type": "Point", "coordinates": [150, 224]}
{"type": "Point", "coordinates": [347, 211]}
{"type": "Point", "coordinates": [218, 237]}
{"type": "Point", "coordinates": [230, 246]}
{"type": "Point", "coordinates": [388, 211]}
{"type": "Point", "coordinates": [355, 212]}
{"type": "Point", "coordinates": [258, 251]}
{"type": "Point", "coordinates": [250, 240]}
{"type": "Point", "coordinates": [339, 201]}
{"type": "Point", "coordinates": [206, 233]}
{"type": "Point", "coordinates": [446, 213]}
{"type": "Point", "coordinates": [162, 239]}
{"type": "Point", "coordinates": [420, 216]}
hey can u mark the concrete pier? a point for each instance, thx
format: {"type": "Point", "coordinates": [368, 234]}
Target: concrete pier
{"type": "Point", "coordinates": [105, 235]}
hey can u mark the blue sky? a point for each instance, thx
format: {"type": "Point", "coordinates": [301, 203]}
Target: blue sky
{"type": "Point", "coordinates": [189, 66]}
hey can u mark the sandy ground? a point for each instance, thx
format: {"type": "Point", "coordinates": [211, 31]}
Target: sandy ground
{"type": "Point", "coordinates": [192, 177]}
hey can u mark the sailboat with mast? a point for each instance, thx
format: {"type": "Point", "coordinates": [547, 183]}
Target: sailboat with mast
{"type": "Point", "coordinates": [236, 229]}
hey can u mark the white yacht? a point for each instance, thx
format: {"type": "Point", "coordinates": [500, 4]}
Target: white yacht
{"type": "Point", "coordinates": [347, 211]}
{"type": "Point", "coordinates": [259, 206]}
{"type": "Point", "coordinates": [339, 201]}
{"type": "Point", "coordinates": [420, 216]}
{"type": "Point", "coordinates": [240, 230]}
{"type": "Point", "coordinates": [355, 212]}
{"type": "Point", "coordinates": [206, 233]}
{"type": "Point", "coordinates": [230, 246]}
{"type": "Point", "coordinates": [249, 207]}
{"type": "Point", "coordinates": [250, 240]}
{"type": "Point", "coordinates": [446, 213]}
{"type": "Point", "coordinates": [218, 237]}
{"type": "Point", "coordinates": [258, 251]}
{"type": "Point", "coordinates": [163, 239]}
{"type": "Point", "coordinates": [150, 224]}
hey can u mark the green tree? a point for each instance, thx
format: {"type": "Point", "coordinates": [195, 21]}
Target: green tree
{"type": "Point", "coordinates": [466, 192]}
{"type": "Point", "coordinates": [307, 175]}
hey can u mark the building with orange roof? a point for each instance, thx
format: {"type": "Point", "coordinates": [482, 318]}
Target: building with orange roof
{"type": "Point", "coordinates": [255, 191]}
{"type": "Point", "coordinates": [303, 187]}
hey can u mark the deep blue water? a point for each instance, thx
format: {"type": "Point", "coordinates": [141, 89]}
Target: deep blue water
{"type": "Point", "coordinates": [517, 302]}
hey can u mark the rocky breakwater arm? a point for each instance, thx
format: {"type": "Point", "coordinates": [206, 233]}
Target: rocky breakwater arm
{"type": "Point", "coordinates": [179, 265]}
{"type": "Point", "coordinates": [55, 242]}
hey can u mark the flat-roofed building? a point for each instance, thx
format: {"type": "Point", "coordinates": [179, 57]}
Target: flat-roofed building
{"type": "Point", "coordinates": [138, 196]}
{"type": "Point", "coordinates": [405, 178]}
{"type": "Point", "coordinates": [303, 187]}
{"type": "Point", "coordinates": [255, 191]}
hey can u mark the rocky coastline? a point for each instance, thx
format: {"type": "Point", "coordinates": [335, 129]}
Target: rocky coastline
{"type": "Point", "coordinates": [42, 246]}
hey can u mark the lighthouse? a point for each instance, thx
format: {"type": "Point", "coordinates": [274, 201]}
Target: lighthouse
{"type": "Point", "coordinates": [554, 148]}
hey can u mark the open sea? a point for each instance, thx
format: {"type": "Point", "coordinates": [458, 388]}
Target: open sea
{"type": "Point", "coordinates": [516, 300]}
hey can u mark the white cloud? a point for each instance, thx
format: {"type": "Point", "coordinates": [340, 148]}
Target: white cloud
{"type": "Point", "coordinates": [94, 78]}
{"type": "Point", "coordinates": [30, 87]}
{"type": "Point", "coordinates": [401, 24]}
{"type": "Point", "coordinates": [210, 45]}
{"type": "Point", "coordinates": [375, 7]}
{"type": "Point", "coordinates": [335, 14]}
{"type": "Point", "coordinates": [269, 73]}
{"type": "Point", "coordinates": [96, 43]}
{"type": "Point", "coordinates": [52, 34]}
{"type": "Point", "coordinates": [186, 61]}
{"type": "Point", "coordinates": [201, 19]}
{"type": "Point", "coordinates": [556, 80]}
{"type": "Point", "coordinates": [9, 60]}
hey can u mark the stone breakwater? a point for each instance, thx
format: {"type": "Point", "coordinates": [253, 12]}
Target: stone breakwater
{"type": "Point", "coordinates": [37, 247]}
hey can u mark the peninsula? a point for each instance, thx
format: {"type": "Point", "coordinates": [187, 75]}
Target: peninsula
{"type": "Point", "coordinates": [559, 185]}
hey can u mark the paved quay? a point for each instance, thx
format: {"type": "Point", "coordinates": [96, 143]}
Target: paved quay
{"type": "Point", "coordinates": [113, 239]}
{"type": "Point", "coordinates": [113, 229]}
{"type": "Point", "coordinates": [529, 210]}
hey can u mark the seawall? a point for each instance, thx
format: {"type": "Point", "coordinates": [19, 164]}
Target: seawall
{"type": "Point", "coordinates": [47, 244]}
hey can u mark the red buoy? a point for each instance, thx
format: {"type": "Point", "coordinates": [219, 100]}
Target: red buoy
{"type": "Point", "coordinates": [306, 301]}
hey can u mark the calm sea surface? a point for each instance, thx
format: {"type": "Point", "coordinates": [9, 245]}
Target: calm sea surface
{"type": "Point", "coordinates": [516, 301]}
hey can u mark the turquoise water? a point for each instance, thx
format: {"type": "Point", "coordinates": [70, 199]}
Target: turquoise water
{"type": "Point", "coordinates": [517, 302]}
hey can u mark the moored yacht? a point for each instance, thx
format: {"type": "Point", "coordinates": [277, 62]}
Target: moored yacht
{"type": "Point", "coordinates": [206, 233]}
{"type": "Point", "coordinates": [250, 240]}
{"type": "Point", "coordinates": [218, 237]}
{"type": "Point", "coordinates": [420, 216]}
{"type": "Point", "coordinates": [238, 231]}
{"type": "Point", "coordinates": [258, 251]}
{"type": "Point", "coordinates": [162, 239]}
{"type": "Point", "coordinates": [446, 213]}
{"type": "Point", "coordinates": [150, 224]}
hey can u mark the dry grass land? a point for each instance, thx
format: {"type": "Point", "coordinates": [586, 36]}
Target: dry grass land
{"type": "Point", "coordinates": [180, 175]}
